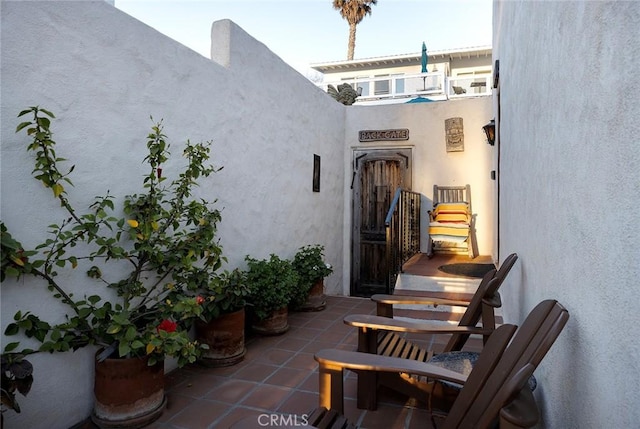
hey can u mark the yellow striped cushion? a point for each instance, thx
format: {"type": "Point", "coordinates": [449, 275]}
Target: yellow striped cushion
{"type": "Point", "coordinates": [457, 232]}
{"type": "Point", "coordinates": [451, 212]}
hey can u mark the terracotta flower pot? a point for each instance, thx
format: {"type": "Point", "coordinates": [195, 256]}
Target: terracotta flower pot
{"type": "Point", "coordinates": [276, 324]}
{"type": "Point", "coordinates": [225, 338]}
{"type": "Point", "coordinates": [128, 393]}
{"type": "Point", "coordinates": [316, 300]}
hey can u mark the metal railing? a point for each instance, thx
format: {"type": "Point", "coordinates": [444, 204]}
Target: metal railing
{"type": "Point", "coordinates": [468, 86]}
{"type": "Point", "coordinates": [402, 226]}
{"type": "Point", "coordinates": [434, 85]}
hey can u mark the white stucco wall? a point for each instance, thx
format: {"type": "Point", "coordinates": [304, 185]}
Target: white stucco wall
{"type": "Point", "coordinates": [103, 74]}
{"type": "Point", "coordinates": [432, 164]}
{"type": "Point", "coordinates": [570, 184]}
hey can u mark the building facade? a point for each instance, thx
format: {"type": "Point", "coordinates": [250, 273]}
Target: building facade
{"type": "Point", "coordinates": [451, 74]}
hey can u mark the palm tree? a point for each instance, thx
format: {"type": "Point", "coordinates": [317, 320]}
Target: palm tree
{"type": "Point", "coordinates": [353, 11]}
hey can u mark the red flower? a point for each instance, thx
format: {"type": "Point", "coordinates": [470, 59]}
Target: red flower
{"type": "Point", "coordinates": [159, 171]}
{"type": "Point", "coordinates": [167, 326]}
{"type": "Point", "coordinates": [199, 300]}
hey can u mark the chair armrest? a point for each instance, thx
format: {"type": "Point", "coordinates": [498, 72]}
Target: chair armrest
{"type": "Point", "coordinates": [344, 359]}
{"type": "Point", "coordinates": [385, 303]}
{"type": "Point", "coordinates": [365, 321]}
{"type": "Point", "coordinates": [426, 300]}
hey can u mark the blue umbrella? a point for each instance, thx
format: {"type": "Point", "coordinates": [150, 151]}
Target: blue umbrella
{"type": "Point", "coordinates": [424, 64]}
{"type": "Point", "coordinates": [425, 59]}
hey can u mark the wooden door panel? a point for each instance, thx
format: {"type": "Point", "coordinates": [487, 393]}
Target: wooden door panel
{"type": "Point", "coordinates": [378, 175]}
{"type": "Point", "coordinates": [372, 272]}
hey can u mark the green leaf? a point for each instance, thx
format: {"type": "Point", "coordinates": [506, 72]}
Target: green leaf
{"type": "Point", "coordinates": [84, 312]}
{"type": "Point", "coordinates": [44, 122]}
{"type": "Point", "coordinates": [25, 324]}
{"type": "Point", "coordinates": [12, 329]}
{"type": "Point", "coordinates": [11, 272]}
{"type": "Point", "coordinates": [114, 329]}
{"type": "Point", "coordinates": [123, 349]}
{"type": "Point", "coordinates": [130, 334]}
{"type": "Point", "coordinates": [40, 335]}
{"type": "Point", "coordinates": [22, 125]}
{"type": "Point", "coordinates": [47, 112]}
{"type": "Point", "coordinates": [46, 347]}
{"type": "Point", "coordinates": [11, 346]}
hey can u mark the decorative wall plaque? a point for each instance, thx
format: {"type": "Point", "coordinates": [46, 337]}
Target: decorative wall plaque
{"type": "Point", "coordinates": [455, 134]}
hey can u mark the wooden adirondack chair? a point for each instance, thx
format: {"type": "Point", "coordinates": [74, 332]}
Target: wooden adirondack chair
{"type": "Point", "coordinates": [496, 388]}
{"type": "Point", "coordinates": [384, 336]}
{"type": "Point", "coordinates": [451, 221]}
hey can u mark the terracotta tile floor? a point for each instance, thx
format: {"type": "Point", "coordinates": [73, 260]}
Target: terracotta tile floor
{"type": "Point", "coordinates": [279, 374]}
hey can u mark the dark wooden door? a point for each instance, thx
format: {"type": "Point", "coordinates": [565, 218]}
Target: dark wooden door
{"type": "Point", "coordinates": [377, 175]}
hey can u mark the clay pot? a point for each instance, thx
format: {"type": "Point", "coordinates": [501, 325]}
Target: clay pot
{"type": "Point", "coordinates": [316, 300]}
{"type": "Point", "coordinates": [225, 338]}
{"type": "Point", "coordinates": [276, 324]}
{"type": "Point", "coordinates": [128, 393]}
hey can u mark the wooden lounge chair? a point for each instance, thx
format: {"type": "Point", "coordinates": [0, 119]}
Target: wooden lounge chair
{"type": "Point", "coordinates": [451, 221]}
{"type": "Point", "coordinates": [495, 389]}
{"type": "Point", "coordinates": [384, 336]}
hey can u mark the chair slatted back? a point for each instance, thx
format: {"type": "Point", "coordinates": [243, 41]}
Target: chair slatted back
{"type": "Point", "coordinates": [452, 194]}
{"type": "Point", "coordinates": [487, 390]}
{"type": "Point", "coordinates": [482, 370]}
{"type": "Point", "coordinates": [487, 289]}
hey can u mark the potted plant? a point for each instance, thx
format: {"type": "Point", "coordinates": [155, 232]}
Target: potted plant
{"type": "Point", "coordinates": [161, 235]}
{"type": "Point", "coordinates": [17, 375]}
{"type": "Point", "coordinates": [221, 325]}
{"type": "Point", "coordinates": [311, 268]}
{"type": "Point", "coordinates": [273, 282]}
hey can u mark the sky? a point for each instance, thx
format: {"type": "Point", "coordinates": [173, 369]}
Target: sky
{"type": "Point", "coordinates": [302, 32]}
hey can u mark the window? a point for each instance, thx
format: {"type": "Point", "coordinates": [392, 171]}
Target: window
{"type": "Point", "coordinates": [365, 88]}
{"type": "Point", "coordinates": [399, 83]}
{"type": "Point", "coordinates": [381, 87]}
{"type": "Point", "coordinates": [361, 85]}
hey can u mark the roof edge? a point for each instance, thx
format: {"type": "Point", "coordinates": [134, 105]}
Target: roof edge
{"type": "Point", "coordinates": [473, 50]}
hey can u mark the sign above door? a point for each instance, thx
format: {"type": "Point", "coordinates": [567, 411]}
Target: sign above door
{"type": "Point", "coordinates": [378, 135]}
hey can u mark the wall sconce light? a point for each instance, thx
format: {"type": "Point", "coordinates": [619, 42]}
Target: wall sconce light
{"type": "Point", "coordinates": [490, 131]}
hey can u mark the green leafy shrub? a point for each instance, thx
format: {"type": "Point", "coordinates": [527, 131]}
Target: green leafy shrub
{"type": "Point", "coordinates": [310, 266]}
{"type": "Point", "coordinates": [220, 294]}
{"type": "Point", "coordinates": [273, 284]}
